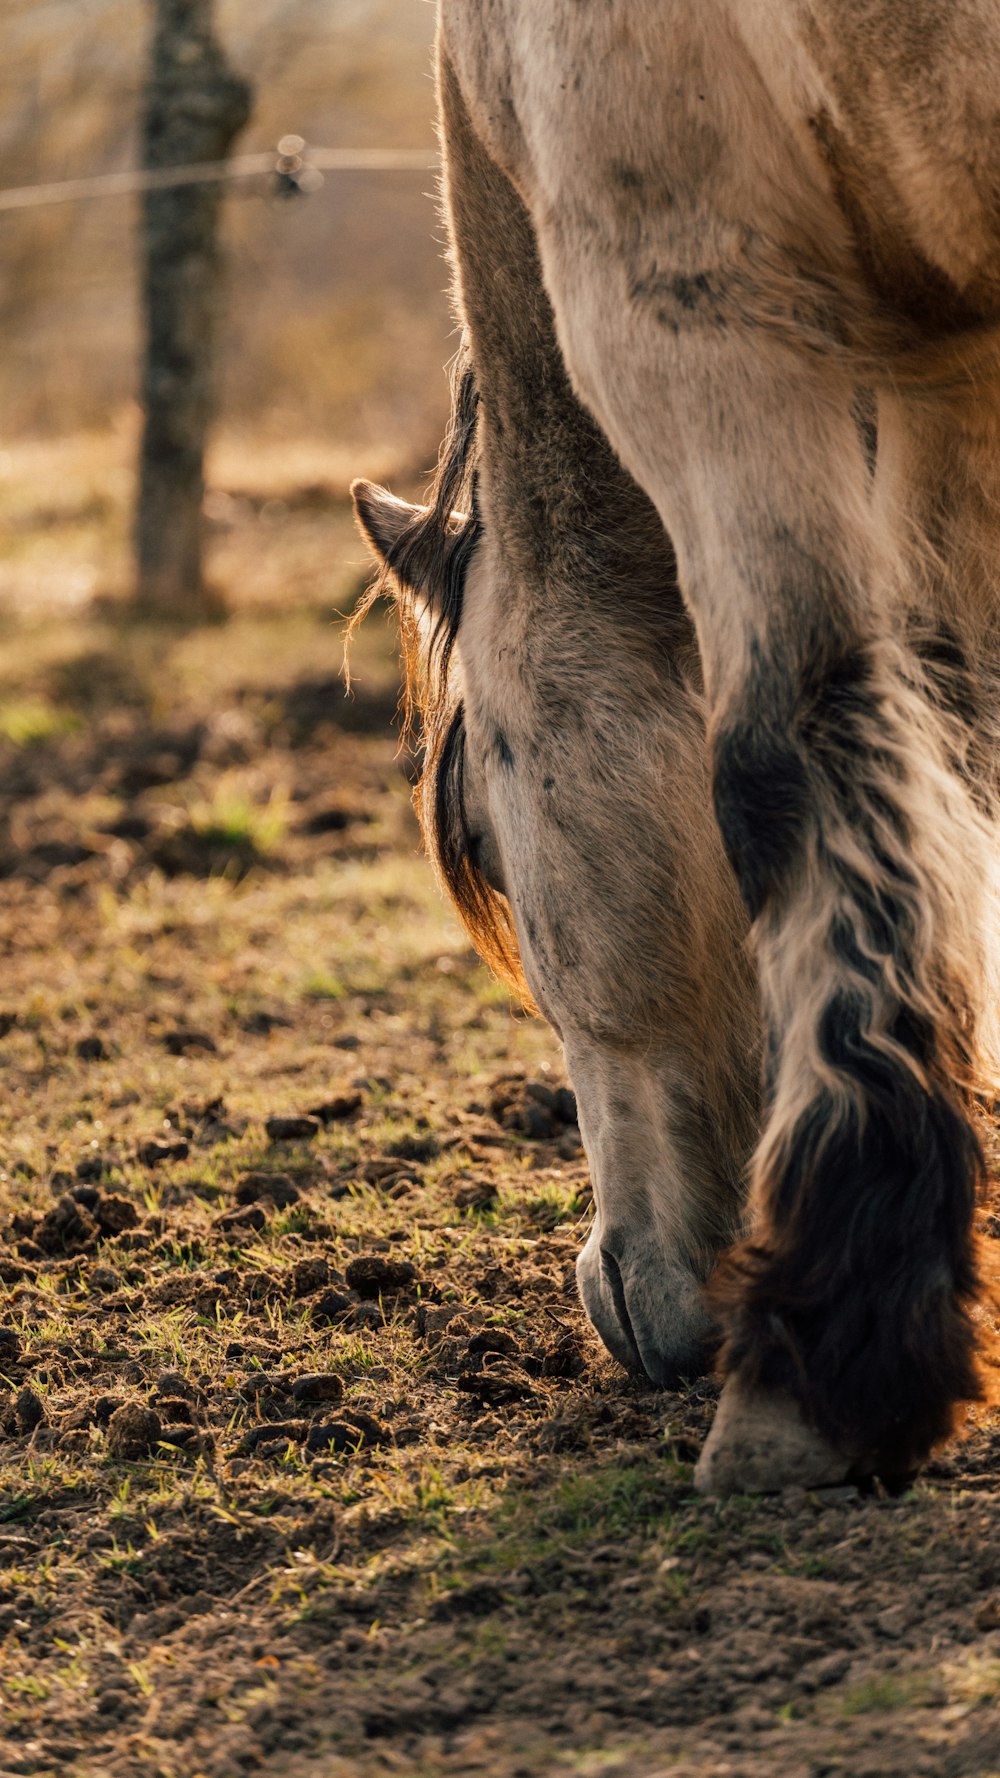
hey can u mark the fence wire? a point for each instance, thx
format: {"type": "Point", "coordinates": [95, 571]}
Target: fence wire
{"type": "Point", "coordinates": [305, 177]}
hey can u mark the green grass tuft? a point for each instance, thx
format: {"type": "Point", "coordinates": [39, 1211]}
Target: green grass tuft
{"type": "Point", "coordinates": [28, 721]}
{"type": "Point", "coordinates": [231, 818]}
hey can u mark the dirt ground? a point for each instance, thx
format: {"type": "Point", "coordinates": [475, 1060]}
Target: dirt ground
{"type": "Point", "coordinates": [309, 1465]}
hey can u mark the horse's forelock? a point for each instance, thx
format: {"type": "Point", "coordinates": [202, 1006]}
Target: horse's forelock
{"type": "Point", "coordinates": [484, 912]}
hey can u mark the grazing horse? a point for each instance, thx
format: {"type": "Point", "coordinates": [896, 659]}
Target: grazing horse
{"type": "Point", "coordinates": [702, 623]}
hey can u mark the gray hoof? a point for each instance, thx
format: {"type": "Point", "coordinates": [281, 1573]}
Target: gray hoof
{"type": "Point", "coordinates": [760, 1443]}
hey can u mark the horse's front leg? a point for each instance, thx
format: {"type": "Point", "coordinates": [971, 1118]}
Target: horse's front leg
{"type": "Point", "coordinates": [859, 855]}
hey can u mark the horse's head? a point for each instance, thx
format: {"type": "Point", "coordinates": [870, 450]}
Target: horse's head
{"type": "Point", "coordinates": [565, 804]}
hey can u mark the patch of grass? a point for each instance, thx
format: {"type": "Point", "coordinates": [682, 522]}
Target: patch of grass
{"type": "Point", "coordinates": [426, 1498]}
{"type": "Point", "coordinates": [27, 721]}
{"type": "Point", "coordinates": [127, 1560]}
{"type": "Point", "coordinates": [231, 818]}
{"type": "Point", "coordinates": [812, 1566]}
{"type": "Point", "coordinates": [557, 1202]}
{"type": "Point", "coordinates": [323, 985]}
{"type": "Point", "coordinates": [27, 1485]}
{"type": "Point", "coordinates": [884, 1691]}
{"type": "Point", "coordinates": [603, 1504]}
{"type": "Point", "coordinates": [170, 1339]}
{"type": "Point", "coordinates": [27, 1685]}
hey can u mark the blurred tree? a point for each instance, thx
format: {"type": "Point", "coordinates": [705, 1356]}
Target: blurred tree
{"type": "Point", "coordinates": [194, 107]}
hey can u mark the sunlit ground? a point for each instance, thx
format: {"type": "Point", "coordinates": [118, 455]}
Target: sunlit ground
{"type": "Point", "coordinates": [308, 1462]}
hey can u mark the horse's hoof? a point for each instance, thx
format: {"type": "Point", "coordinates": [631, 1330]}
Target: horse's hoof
{"type": "Point", "coordinates": [759, 1443]}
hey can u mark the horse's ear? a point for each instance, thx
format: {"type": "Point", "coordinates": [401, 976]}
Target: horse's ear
{"type": "Point", "coordinates": [384, 520]}
{"type": "Point", "coordinates": [425, 554]}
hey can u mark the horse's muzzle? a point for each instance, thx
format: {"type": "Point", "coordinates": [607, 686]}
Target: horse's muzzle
{"type": "Point", "coordinates": [647, 1309]}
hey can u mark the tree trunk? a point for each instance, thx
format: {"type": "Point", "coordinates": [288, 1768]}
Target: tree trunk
{"type": "Point", "coordinates": [194, 107]}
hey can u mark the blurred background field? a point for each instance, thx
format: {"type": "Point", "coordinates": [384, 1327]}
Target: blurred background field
{"type": "Point", "coordinates": [331, 362]}
{"type": "Point", "coordinates": [336, 325]}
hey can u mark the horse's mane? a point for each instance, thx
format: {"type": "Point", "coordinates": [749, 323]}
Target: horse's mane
{"type": "Point", "coordinates": [424, 572]}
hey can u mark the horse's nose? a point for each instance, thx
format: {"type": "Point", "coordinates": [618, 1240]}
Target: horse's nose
{"type": "Point", "coordinates": [647, 1308]}
{"type": "Point", "coordinates": [611, 1273]}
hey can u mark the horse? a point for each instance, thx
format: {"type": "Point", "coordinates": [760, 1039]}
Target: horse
{"type": "Point", "coordinates": [700, 622]}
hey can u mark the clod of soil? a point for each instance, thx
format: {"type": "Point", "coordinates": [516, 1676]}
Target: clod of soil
{"type": "Point", "coordinates": [185, 1436]}
{"type": "Point", "coordinates": [380, 1172]}
{"type": "Point", "coordinates": [434, 1318]}
{"type": "Point", "coordinates": [329, 821]}
{"type": "Point", "coordinates": [331, 1307]}
{"type": "Point", "coordinates": [251, 1219]}
{"type": "Point", "coordinates": [318, 1386]}
{"type": "Point", "coordinates": [66, 1228]}
{"type": "Point", "coordinates": [186, 1043]}
{"type": "Point", "coordinates": [253, 1187]}
{"type": "Point", "coordinates": [532, 1108]}
{"type": "Point", "coordinates": [262, 1023]}
{"type": "Point", "coordinates": [173, 1383]}
{"type": "Point", "coordinates": [360, 1432]}
{"type": "Point", "coordinates": [175, 1407]}
{"type": "Point", "coordinates": [264, 1383]}
{"type": "Point", "coordinates": [291, 1431]}
{"type": "Point", "coordinates": [414, 1148]}
{"type": "Point", "coordinates": [475, 1194]}
{"type": "Point", "coordinates": [91, 1048]}
{"type": "Point", "coordinates": [373, 1431]}
{"type": "Point", "coordinates": [332, 1111]}
{"type": "Point", "coordinates": [114, 1213]}
{"type": "Point", "coordinates": [133, 1430]}
{"type": "Point", "coordinates": [372, 1275]}
{"type": "Point", "coordinates": [309, 1275]}
{"type": "Point", "coordinates": [10, 1347]}
{"type": "Point", "coordinates": [155, 1152]}
{"type": "Point", "coordinates": [105, 1406]}
{"type": "Point", "coordinates": [104, 1279]}
{"type": "Point", "coordinates": [492, 1339]}
{"type": "Point", "coordinates": [368, 1314]}
{"type": "Point", "coordinates": [115, 1702]}
{"type": "Point", "coordinates": [496, 1387]}
{"type": "Point", "coordinates": [28, 1410]}
{"type": "Point", "coordinates": [292, 1129]}
{"type": "Point", "coordinates": [566, 1358]}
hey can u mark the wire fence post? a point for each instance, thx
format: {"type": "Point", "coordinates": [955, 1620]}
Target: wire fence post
{"type": "Point", "coordinates": [194, 107]}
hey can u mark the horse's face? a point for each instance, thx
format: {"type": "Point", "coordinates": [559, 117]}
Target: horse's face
{"type": "Point", "coordinates": [547, 805]}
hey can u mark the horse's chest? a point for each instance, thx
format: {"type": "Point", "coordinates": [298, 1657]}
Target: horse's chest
{"type": "Point", "coordinates": [645, 131]}
{"type": "Point", "coordinates": [566, 94]}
